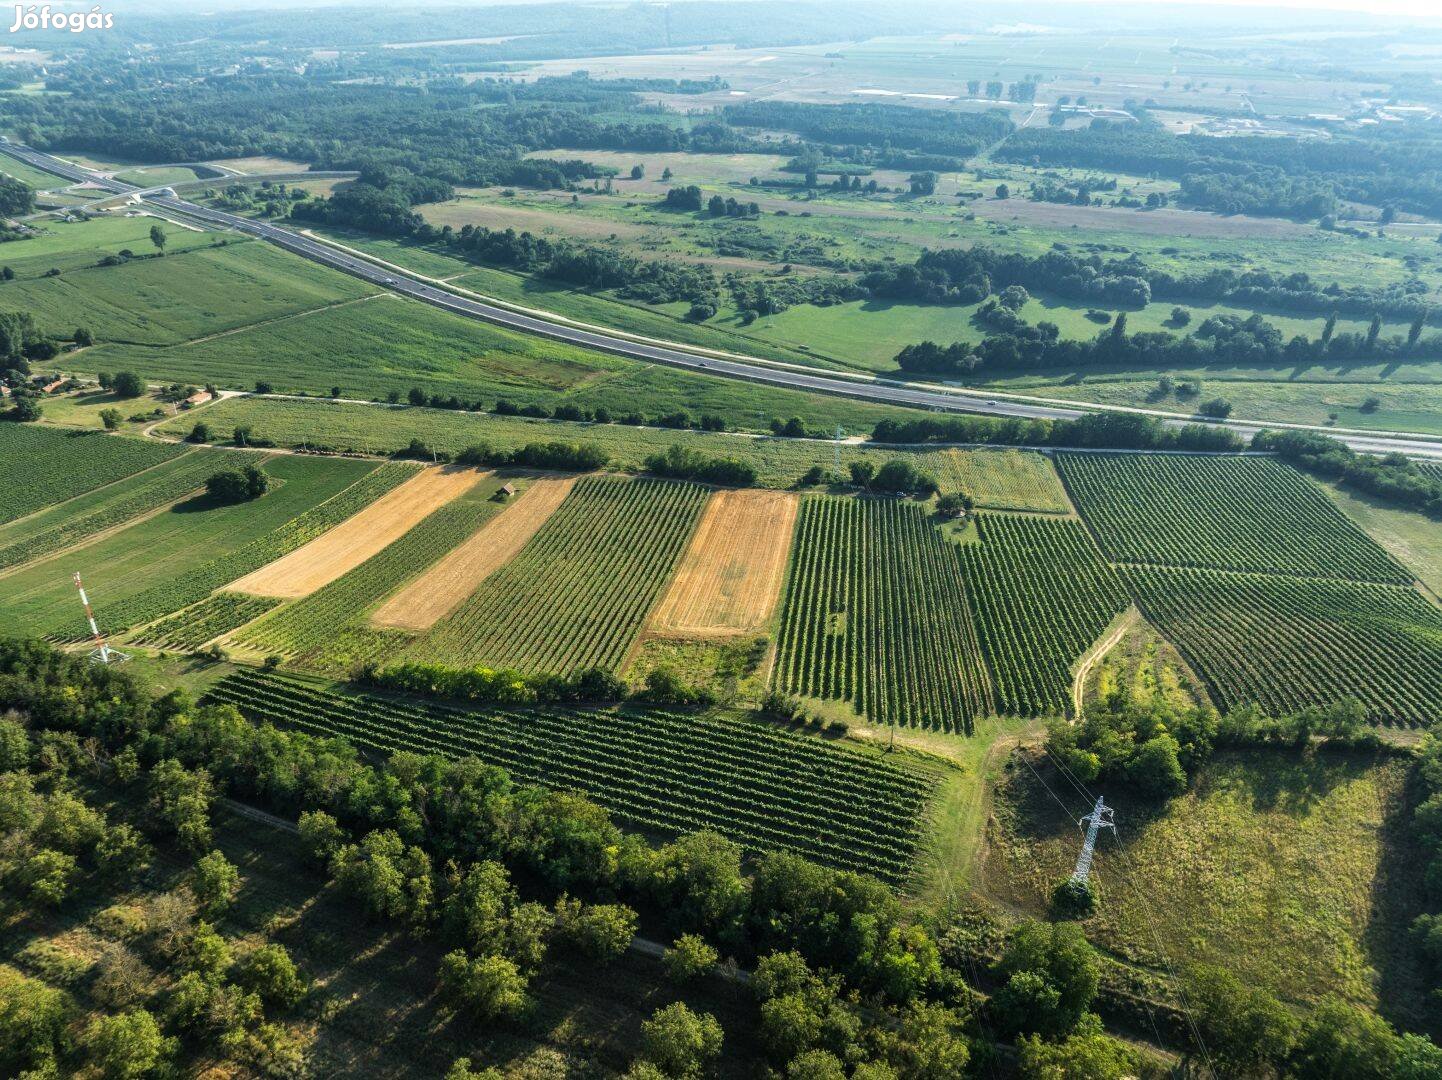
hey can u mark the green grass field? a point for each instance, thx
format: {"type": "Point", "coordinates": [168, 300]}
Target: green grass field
{"type": "Point", "coordinates": [1290, 871]}
{"type": "Point", "coordinates": [32, 177]}
{"type": "Point", "coordinates": [181, 297]}
{"type": "Point", "coordinates": [71, 246]}
{"type": "Point", "coordinates": [156, 552]}
{"type": "Point", "coordinates": [109, 507]}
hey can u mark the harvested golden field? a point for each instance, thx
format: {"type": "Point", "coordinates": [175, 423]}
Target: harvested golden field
{"type": "Point", "coordinates": [730, 578]}
{"type": "Point", "coordinates": [354, 541]}
{"type": "Point", "coordinates": [433, 595]}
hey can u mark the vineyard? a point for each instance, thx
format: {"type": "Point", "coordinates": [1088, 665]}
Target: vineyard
{"type": "Point", "coordinates": [1002, 479]}
{"type": "Point", "coordinates": [326, 631]}
{"type": "Point", "coordinates": [768, 789]}
{"type": "Point", "coordinates": [876, 614]}
{"type": "Point", "coordinates": [44, 466]}
{"type": "Point", "coordinates": [1042, 595]}
{"type": "Point", "coordinates": [217, 614]}
{"type": "Point", "coordinates": [196, 584]}
{"type": "Point", "coordinates": [1286, 643]}
{"type": "Point", "coordinates": [578, 593]}
{"type": "Point", "coordinates": [124, 501]}
{"type": "Point", "coordinates": [1221, 513]}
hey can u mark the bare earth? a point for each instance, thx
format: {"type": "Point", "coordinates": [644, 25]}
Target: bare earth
{"type": "Point", "coordinates": [352, 542]}
{"type": "Point", "coordinates": [430, 597]}
{"type": "Point", "coordinates": [730, 577]}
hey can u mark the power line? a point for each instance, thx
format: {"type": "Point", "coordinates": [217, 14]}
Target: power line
{"type": "Point", "coordinates": [1146, 912]}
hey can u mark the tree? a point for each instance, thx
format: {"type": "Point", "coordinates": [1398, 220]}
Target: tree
{"type": "Point", "coordinates": [1180, 317]}
{"type": "Point", "coordinates": [1246, 1031]}
{"type": "Point", "coordinates": [600, 932]}
{"type": "Point", "coordinates": [1155, 768]}
{"type": "Point", "coordinates": [638, 172]}
{"type": "Point", "coordinates": [33, 1018]}
{"type": "Point", "coordinates": [215, 882]}
{"type": "Point", "coordinates": [954, 504]}
{"type": "Point", "coordinates": [127, 384]}
{"type": "Point", "coordinates": [862, 473]}
{"type": "Point", "coordinates": [1339, 1039]}
{"type": "Point", "coordinates": [489, 987]}
{"type": "Point", "coordinates": [83, 337]}
{"type": "Point", "coordinates": [43, 878]}
{"type": "Point", "coordinates": [157, 237]}
{"type": "Point", "coordinates": [320, 835]}
{"type": "Point", "coordinates": [270, 972]}
{"type": "Point", "coordinates": [199, 433]}
{"type": "Point", "coordinates": [180, 801]}
{"type": "Point", "coordinates": [1216, 408]}
{"type": "Point", "coordinates": [14, 745]}
{"type": "Point", "coordinates": [110, 418]}
{"type": "Point", "coordinates": [391, 879]}
{"type": "Point", "coordinates": [680, 1042]}
{"type": "Point", "coordinates": [1089, 1055]}
{"type": "Point", "coordinates": [237, 485]}
{"type": "Point", "coordinates": [128, 1045]}
{"type": "Point", "coordinates": [1051, 976]}
{"type": "Point", "coordinates": [27, 408]}
{"type": "Point", "coordinates": [689, 958]}
{"type": "Point", "coordinates": [1002, 191]}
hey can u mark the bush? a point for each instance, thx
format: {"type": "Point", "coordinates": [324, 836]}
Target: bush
{"type": "Point", "coordinates": [1073, 899]}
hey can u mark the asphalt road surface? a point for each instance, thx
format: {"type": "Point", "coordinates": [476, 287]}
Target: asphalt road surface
{"type": "Point", "coordinates": [870, 390]}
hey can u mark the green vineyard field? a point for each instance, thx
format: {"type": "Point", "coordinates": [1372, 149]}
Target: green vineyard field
{"type": "Point", "coordinates": [1286, 643]}
{"type": "Point", "coordinates": [1221, 513]}
{"type": "Point", "coordinates": [1042, 595]}
{"type": "Point", "coordinates": [578, 593]}
{"type": "Point", "coordinates": [215, 615]}
{"type": "Point", "coordinates": [767, 789]}
{"type": "Point", "coordinates": [44, 466]}
{"type": "Point", "coordinates": [326, 632]}
{"type": "Point", "coordinates": [875, 613]}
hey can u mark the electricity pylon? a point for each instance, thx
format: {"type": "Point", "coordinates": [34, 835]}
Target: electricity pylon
{"type": "Point", "coordinates": [1100, 818]}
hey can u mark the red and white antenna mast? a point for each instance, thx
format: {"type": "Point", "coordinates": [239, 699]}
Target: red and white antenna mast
{"type": "Point", "coordinates": [102, 653]}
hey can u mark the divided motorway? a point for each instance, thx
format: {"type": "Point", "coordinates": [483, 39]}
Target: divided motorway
{"type": "Point", "coordinates": [791, 377]}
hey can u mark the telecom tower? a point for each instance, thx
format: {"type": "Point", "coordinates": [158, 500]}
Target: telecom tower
{"type": "Point", "coordinates": [1100, 818]}
{"type": "Point", "coordinates": [102, 653]}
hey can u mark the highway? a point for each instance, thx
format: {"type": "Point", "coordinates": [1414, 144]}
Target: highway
{"type": "Point", "coordinates": [787, 376]}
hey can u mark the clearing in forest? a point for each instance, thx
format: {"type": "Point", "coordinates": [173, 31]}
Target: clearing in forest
{"type": "Point", "coordinates": [730, 577]}
{"type": "Point", "coordinates": [433, 595]}
{"type": "Point", "coordinates": [352, 542]}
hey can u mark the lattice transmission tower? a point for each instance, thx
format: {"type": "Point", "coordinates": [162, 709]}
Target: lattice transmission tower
{"type": "Point", "coordinates": [1100, 818]}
